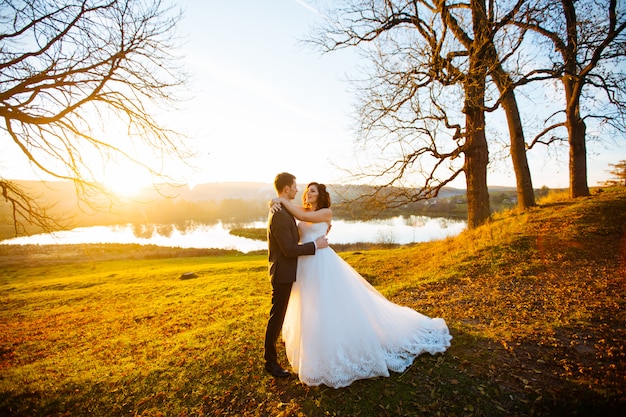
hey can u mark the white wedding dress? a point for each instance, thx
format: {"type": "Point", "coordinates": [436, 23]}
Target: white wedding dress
{"type": "Point", "coordinates": [339, 328]}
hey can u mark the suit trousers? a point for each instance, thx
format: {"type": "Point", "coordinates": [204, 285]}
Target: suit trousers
{"type": "Point", "coordinates": [280, 300]}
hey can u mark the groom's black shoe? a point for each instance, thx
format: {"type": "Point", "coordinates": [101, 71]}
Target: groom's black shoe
{"type": "Point", "coordinates": [276, 370]}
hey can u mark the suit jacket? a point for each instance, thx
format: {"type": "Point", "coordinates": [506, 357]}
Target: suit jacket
{"type": "Point", "coordinates": [283, 247]}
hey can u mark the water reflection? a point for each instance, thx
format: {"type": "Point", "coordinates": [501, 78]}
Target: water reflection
{"type": "Point", "coordinates": [400, 230]}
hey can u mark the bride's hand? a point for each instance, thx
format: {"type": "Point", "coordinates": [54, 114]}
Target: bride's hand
{"type": "Point", "coordinates": [275, 205]}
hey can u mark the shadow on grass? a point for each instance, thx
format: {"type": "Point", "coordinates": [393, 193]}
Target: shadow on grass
{"type": "Point", "coordinates": [476, 377]}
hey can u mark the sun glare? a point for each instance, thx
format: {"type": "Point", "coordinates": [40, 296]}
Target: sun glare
{"type": "Point", "coordinates": [126, 182]}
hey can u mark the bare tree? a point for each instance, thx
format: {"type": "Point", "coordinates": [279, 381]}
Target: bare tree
{"type": "Point", "coordinates": [69, 69]}
{"type": "Point", "coordinates": [524, 184]}
{"type": "Point", "coordinates": [428, 58]}
{"type": "Point", "coordinates": [587, 47]}
{"type": "Point", "coordinates": [409, 107]}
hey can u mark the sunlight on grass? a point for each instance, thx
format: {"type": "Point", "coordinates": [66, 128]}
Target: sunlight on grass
{"type": "Point", "coordinates": [554, 196]}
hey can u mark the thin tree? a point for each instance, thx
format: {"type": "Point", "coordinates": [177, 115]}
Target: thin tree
{"type": "Point", "coordinates": [68, 70]}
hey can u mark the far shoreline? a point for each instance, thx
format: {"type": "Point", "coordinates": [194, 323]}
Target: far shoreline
{"type": "Point", "coordinates": [32, 255]}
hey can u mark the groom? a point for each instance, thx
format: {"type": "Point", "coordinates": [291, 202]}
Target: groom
{"type": "Point", "coordinates": [284, 249]}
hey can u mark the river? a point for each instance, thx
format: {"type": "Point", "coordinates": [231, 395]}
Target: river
{"type": "Point", "coordinates": [399, 230]}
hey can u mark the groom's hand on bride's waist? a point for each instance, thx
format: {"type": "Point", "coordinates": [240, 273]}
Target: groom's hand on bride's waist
{"type": "Point", "coordinates": [321, 242]}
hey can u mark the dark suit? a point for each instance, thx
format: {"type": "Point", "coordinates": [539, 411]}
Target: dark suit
{"type": "Point", "coordinates": [283, 252]}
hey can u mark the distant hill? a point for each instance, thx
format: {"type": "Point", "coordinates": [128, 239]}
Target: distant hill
{"type": "Point", "coordinates": [64, 191]}
{"type": "Point", "coordinates": [264, 191]}
{"type": "Point", "coordinates": [218, 191]}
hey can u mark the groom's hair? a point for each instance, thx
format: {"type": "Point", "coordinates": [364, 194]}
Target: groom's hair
{"type": "Point", "coordinates": [282, 180]}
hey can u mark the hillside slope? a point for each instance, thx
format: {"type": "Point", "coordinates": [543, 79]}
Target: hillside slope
{"type": "Point", "coordinates": [536, 301]}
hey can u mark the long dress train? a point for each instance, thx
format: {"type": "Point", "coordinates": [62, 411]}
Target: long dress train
{"type": "Point", "coordinates": [339, 328]}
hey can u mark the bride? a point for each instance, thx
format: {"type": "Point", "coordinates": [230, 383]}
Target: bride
{"type": "Point", "coordinates": [339, 328]}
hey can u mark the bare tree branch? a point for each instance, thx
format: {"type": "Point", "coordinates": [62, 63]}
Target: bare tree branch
{"type": "Point", "coordinates": [70, 70]}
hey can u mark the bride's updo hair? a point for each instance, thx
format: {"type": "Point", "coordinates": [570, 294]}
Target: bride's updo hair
{"type": "Point", "coordinates": [323, 197]}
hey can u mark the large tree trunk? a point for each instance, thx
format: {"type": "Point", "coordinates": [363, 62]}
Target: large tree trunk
{"type": "Point", "coordinates": [576, 129]}
{"type": "Point", "coordinates": [476, 160]}
{"type": "Point", "coordinates": [578, 186]}
{"type": "Point", "coordinates": [476, 150]}
{"type": "Point", "coordinates": [525, 192]}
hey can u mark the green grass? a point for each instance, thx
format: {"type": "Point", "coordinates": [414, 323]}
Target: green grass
{"type": "Point", "coordinates": [534, 300]}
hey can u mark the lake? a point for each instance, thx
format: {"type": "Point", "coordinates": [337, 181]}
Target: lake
{"type": "Point", "coordinates": [400, 230]}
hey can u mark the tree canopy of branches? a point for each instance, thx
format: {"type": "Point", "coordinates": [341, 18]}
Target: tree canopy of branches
{"type": "Point", "coordinates": [425, 98]}
{"type": "Point", "coordinates": [69, 69]}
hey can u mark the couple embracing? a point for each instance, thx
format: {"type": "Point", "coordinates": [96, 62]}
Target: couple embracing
{"type": "Point", "coordinates": [337, 328]}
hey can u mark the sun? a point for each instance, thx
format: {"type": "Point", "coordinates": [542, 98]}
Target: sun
{"type": "Point", "coordinates": [124, 188]}
{"type": "Point", "coordinates": [126, 182]}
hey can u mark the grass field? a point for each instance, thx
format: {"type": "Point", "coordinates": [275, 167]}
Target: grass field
{"type": "Point", "coordinates": [534, 300]}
